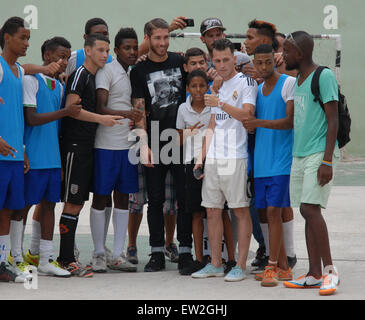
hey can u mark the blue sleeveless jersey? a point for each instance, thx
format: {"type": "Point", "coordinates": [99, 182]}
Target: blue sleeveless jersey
{"type": "Point", "coordinates": [41, 142]}
{"type": "Point", "coordinates": [11, 112]}
{"type": "Point", "coordinates": [80, 58]}
{"type": "Point", "coordinates": [273, 148]}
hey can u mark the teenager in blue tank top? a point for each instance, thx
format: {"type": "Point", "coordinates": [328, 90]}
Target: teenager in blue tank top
{"type": "Point", "coordinates": [42, 101]}
{"type": "Point", "coordinates": [272, 157]}
{"type": "Point", "coordinates": [14, 37]}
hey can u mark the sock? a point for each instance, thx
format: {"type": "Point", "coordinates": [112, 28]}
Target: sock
{"type": "Point", "coordinates": [68, 224]}
{"type": "Point", "coordinates": [97, 226]}
{"type": "Point", "coordinates": [265, 233]}
{"type": "Point", "coordinates": [288, 230]}
{"type": "Point", "coordinates": [46, 251]}
{"type": "Point", "coordinates": [120, 225]}
{"type": "Point", "coordinates": [108, 213]}
{"type": "Point", "coordinates": [4, 248]}
{"type": "Point", "coordinates": [35, 237]}
{"type": "Point", "coordinates": [16, 232]}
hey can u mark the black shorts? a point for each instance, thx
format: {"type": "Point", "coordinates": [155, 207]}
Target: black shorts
{"type": "Point", "coordinates": [193, 195]}
{"type": "Point", "coordinates": [77, 164]}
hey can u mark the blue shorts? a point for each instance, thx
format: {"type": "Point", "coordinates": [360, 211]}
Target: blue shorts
{"type": "Point", "coordinates": [42, 184]}
{"type": "Point", "coordinates": [113, 171]}
{"type": "Point", "coordinates": [272, 192]}
{"type": "Point", "coordinates": [12, 185]}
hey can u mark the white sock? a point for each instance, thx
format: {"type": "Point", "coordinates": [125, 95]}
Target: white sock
{"type": "Point", "coordinates": [16, 233]}
{"type": "Point", "coordinates": [4, 248]}
{"type": "Point", "coordinates": [46, 251]}
{"type": "Point", "coordinates": [97, 226]}
{"type": "Point", "coordinates": [35, 238]}
{"type": "Point", "coordinates": [120, 225]}
{"type": "Point", "coordinates": [108, 213]}
{"type": "Point", "coordinates": [288, 230]}
{"type": "Point", "coordinates": [265, 233]}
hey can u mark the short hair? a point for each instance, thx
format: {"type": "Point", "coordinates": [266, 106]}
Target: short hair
{"type": "Point", "coordinates": [266, 29]}
{"type": "Point", "coordinates": [92, 38]}
{"type": "Point", "coordinates": [11, 26]}
{"type": "Point", "coordinates": [223, 44]}
{"type": "Point", "coordinates": [194, 52]}
{"type": "Point", "coordinates": [157, 23]}
{"type": "Point", "coordinates": [197, 73]}
{"type": "Point", "coordinates": [264, 48]}
{"type": "Point", "coordinates": [93, 22]}
{"type": "Point", "coordinates": [53, 43]}
{"type": "Point", "coordinates": [124, 33]}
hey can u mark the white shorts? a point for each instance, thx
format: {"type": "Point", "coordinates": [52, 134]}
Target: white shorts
{"type": "Point", "coordinates": [225, 180]}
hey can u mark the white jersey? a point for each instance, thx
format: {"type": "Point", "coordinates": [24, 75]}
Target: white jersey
{"type": "Point", "coordinates": [113, 78]}
{"type": "Point", "coordinates": [230, 137]}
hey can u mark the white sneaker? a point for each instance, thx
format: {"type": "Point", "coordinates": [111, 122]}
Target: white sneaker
{"type": "Point", "coordinates": [98, 263]}
{"type": "Point", "coordinates": [23, 270]}
{"type": "Point", "coordinates": [122, 264]}
{"type": "Point", "coordinates": [330, 281]}
{"type": "Point", "coordinates": [109, 256]}
{"type": "Point", "coordinates": [53, 269]}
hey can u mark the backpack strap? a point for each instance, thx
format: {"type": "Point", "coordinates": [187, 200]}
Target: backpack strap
{"type": "Point", "coordinates": [315, 84]}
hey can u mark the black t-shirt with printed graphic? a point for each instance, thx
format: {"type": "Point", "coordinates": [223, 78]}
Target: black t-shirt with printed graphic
{"type": "Point", "coordinates": [162, 85]}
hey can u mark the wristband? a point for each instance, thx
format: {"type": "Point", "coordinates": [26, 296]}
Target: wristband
{"type": "Point", "coordinates": [220, 104]}
{"type": "Point", "coordinates": [327, 163]}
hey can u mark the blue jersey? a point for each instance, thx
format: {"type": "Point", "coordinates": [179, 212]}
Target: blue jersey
{"type": "Point", "coordinates": [80, 58]}
{"type": "Point", "coordinates": [41, 142]}
{"type": "Point", "coordinates": [273, 148]}
{"type": "Point", "coordinates": [11, 112]}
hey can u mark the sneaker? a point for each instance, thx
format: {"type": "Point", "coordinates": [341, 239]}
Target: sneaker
{"type": "Point", "coordinates": [156, 263]}
{"type": "Point", "coordinates": [209, 271]}
{"type": "Point", "coordinates": [283, 275]}
{"type": "Point", "coordinates": [187, 265]}
{"type": "Point", "coordinates": [52, 268]}
{"type": "Point", "coordinates": [260, 255]}
{"type": "Point", "coordinates": [206, 259]}
{"type": "Point", "coordinates": [172, 253]}
{"type": "Point", "coordinates": [132, 255]}
{"type": "Point", "coordinates": [23, 269]}
{"type": "Point", "coordinates": [228, 266]}
{"type": "Point", "coordinates": [261, 267]}
{"type": "Point", "coordinates": [32, 259]}
{"type": "Point", "coordinates": [235, 274]}
{"type": "Point", "coordinates": [108, 256]}
{"type": "Point", "coordinates": [77, 269]}
{"type": "Point", "coordinates": [7, 274]}
{"type": "Point", "coordinates": [292, 261]}
{"type": "Point", "coordinates": [98, 263]}
{"type": "Point", "coordinates": [270, 278]}
{"type": "Point", "coordinates": [330, 281]}
{"type": "Point", "coordinates": [304, 282]}
{"type": "Point", "coordinates": [122, 264]}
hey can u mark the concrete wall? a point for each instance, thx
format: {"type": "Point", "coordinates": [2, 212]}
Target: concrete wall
{"type": "Point", "coordinates": [68, 17]}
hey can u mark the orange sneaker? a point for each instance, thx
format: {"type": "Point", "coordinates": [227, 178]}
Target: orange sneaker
{"type": "Point", "coordinates": [270, 278]}
{"type": "Point", "coordinates": [283, 275]}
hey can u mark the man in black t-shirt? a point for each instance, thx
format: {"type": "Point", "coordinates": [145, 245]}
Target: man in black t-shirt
{"type": "Point", "coordinates": [77, 143]}
{"type": "Point", "coordinates": [158, 88]}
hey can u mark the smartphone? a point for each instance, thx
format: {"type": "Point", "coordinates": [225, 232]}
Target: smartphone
{"type": "Point", "coordinates": [189, 22]}
{"type": "Point", "coordinates": [237, 46]}
{"type": "Point", "coordinates": [198, 173]}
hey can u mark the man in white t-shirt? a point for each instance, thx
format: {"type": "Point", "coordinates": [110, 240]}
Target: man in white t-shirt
{"type": "Point", "coordinates": [225, 147]}
{"type": "Point", "coordinates": [113, 170]}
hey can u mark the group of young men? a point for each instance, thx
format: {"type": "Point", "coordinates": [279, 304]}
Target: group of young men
{"type": "Point", "coordinates": [120, 127]}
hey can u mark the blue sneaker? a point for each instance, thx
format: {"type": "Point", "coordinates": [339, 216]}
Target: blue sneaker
{"type": "Point", "coordinates": [209, 271]}
{"type": "Point", "coordinates": [236, 274]}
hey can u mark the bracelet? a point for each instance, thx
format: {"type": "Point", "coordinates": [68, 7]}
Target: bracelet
{"type": "Point", "coordinates": [327, 163]}
{"type": "Point", "coordinates": [220, 104]}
